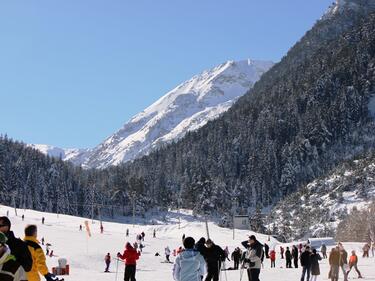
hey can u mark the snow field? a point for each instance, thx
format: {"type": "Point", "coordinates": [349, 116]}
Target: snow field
{"type": "Point", "coordinates": [86, 255]}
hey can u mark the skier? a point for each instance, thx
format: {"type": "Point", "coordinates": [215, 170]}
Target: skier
{"type": "Point", "coordinates": [214, 256]}
{"type": "Point", "coordinates": [80, 227]}
{"type": "Point", "coordinates": [288, 258]}
{"type": "Point", "coordinates": [254, 257]}
{"type": "Point", "coordinates": [143, 236]}
{"type": "Point", "coordinates": [8, 213]}
{"type": "Point", "coordinates": [315, 270]}
{"type": "Point", "coordinates": [167, 252]}
{"type": "Point", "coordinates": [23, 217]}
{"type": "Point", "coordinates": [18, 248]}
{"type": "Point", "coordinates": [42, 240]}
{"type": "Point", "coordinates": [236, 256]}
{"type": "Point", "coordinates": [183, 237]}
{"type": "Point", "coordinates": [107, 260]}
{"type": "Point", "coordinates": [334, 262]}
{"type": "Point", "coordinates": [141, 246]}
{"type": "Point", "coordinates": [154, 233]}
{"type": "Point", "coordinates": [47, 249]}
{"type": "Point", "coordinates": [273, 258]}
{"type": "Point", "coordinates": [200, 246]}
{"type": "Point", "coordinates": [130, 256]}
{"type": "Point", "coordinates": [295, 256]}
{"type": "Point", "coordinates": [101, 228]}
{"type": "Point", "coordinates": [282, 252]}
{"type": "Point", "coordinates": [127, 232]}
{"type": "Point", "coordinates": [51, 254]}
{"type": "Point", "coordinates": [353, 261]}
{"type": "Point", "coordinates": [305, 263]}
{"type": "Point", "coordinates": [323, 250]}
{"type": "Point", "coordinates": [42, 220]}
{"type": "Point", "coordinates": [39, 259]}
{"type": "Point", "coordinates": [189, 265]}
{"type": "Point", "coordinates": [266, 250]}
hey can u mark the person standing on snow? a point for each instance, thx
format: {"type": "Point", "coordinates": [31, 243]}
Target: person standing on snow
{"type": "Point", "coordinates": [295, 256]}
{"type": "Point", "coordinates": [273, 258]}
{"type": "Point", "coordinates": [253, 258]}
{"type": "Point", "coordinates": [288, 258]}
{"type": "Point", "coordinates": [17, 247]}
{"type": "Point", "coordinates": [343, 261]}
{"type": "Point", "coordinates": [190, 264]}
{"type": "Point", "coordinates": [315, 269]}
{"type": "Point", "coordinates": [282, 252]}
{"type": "Point", "coordinates": [130, 256]}
{"type": "Point", "coordinates": [266, 250]}
{"type": "Point", "coordinates": [236, 256]}
{"type": "Point", "coordinates": [305, 263]}
{"type": "Point", "coordinates": [107, 260]}
{"type": "Point", "coordinates": [167, 252]}
{"type": "Point", "coordinates": [39, 259]}
{"type": "Point", "coordinates": [334, 262]}
{"type": "Point", "coordinates": [323, 250]}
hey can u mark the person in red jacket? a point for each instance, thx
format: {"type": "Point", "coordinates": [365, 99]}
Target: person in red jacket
{"type": "Point", "coordinates": [273, 258]}
{"type": "Point", "coordinates": [130, 256]}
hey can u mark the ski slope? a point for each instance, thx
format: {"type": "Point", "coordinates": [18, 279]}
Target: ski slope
{"type": "Point", "coordinates": [86, 254]}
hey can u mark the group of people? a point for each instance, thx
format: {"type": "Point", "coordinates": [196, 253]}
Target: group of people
{"type": "Point", "coordinates": [21, 260]}
{"type": "Point", "coordinates": [204, 259]}
{"type": "Point", "coordinates": [367, 247]}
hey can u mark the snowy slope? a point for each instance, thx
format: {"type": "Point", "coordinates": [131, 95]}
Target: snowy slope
{"type": "Point", "coordinates": [86, 255]}
{"type": "Point", "coordinates": [319, 207]}
{"type": "Point", "coordinates": [185, 108]}
{"type": "Point", "coordinates": [66, 154]}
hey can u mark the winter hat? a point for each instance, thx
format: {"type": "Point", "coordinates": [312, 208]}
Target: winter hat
{"type": "Point", "coordinates": [5, 221]}
{"type": "Point", "coordinates": [3, 238]}
{"type": "Point", "coordinates": [189, 242]}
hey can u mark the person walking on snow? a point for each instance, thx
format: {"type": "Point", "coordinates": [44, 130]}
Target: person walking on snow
{"type": "Point", "coordinates": [282, 252]}
{"type": "Point", "coordinates": [343, 261]}
{"type": "Point", "coordinates": [334, 262]}
{"type": "Point", "coordinates": [190, 264]}
{"type": "Point", "coordinates": [366, 249]}
{"type": "Point", "coordinates": [107, 260]}
{"type": "Point", "coordinates": [295, 256]}
{"type": "Point", "coordinates": [353, 261]}
{"type": "Point", "coordinates": [305, 263]}
{"type": "Point", "coordinates": [315, 269]}
{"type": "Point", "coordinates": [130, 256]}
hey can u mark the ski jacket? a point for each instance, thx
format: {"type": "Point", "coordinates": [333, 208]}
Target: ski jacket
{"type": "Point", "coordinates": [214, 255]}
{"type": "Point", "coordinates": [130, 255]}
{"type": "Point", "coordinates": [167, 251]}
{"type": "Point", "coordinates": [200, 247]}
{"type": "Point", "coordinates": [353, 260]}
{"type": "Point", "coordinates": [39, 259]}
{"type": "Point", "coordinates": [107, 258]}
{"type": "Point", "coordinates": [315, 269]}
{"type": "Point", "coordinates": [236, 255]}
{"type": "Point", "coordinates": [273, 255]}
{"type": "Point", "coordinates": [20, 250]}
{"type": "Point", "coordinates": [305, 259]}
{"type": "Point", "coordinates": [295, 253]}
{"type": "Point", "coordinates": [8, 266]}
{"type": "Point", "coordinates": [254, 254]}
{"type": "Point", "coordinates": [189, 266]}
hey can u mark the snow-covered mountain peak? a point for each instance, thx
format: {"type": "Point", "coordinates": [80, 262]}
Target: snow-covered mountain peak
{"type": "Point", "coordinates": [187, 107]}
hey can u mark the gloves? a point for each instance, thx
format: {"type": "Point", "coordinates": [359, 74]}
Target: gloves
{"type": "Point", "coordinates": [50, 277]}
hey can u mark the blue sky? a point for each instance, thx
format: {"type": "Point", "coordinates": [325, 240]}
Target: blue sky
{"type": "Point", "coordinates": [72, 72]}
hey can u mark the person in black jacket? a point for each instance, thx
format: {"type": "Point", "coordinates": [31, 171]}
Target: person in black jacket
{"type": "Point", "coordinates": [305, 263]}
{"type": "Point", "coordinates": [214, 255]}
{"type": "Point", "coordinates": [315, 269]}
{"type": "Point", "coordinates": [288, 258]}
{"type": "Point", "coordinates": [17, 247]}
{"type": "Point", "coordinates": [8, 264]}
{"type": "Point", "coordinates": [236, 256]}
{"type": "Point", "coordinates": [295, 256]}
{"type": "Point", "coordinates": [200, 246]}
{"type": "Point", "coordinates": [266, 250]}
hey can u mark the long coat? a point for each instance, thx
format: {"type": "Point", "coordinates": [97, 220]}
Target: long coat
{"type": "Point", "coordinates": [315, 258]}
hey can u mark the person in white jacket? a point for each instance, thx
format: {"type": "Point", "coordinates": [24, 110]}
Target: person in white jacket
{"type": "Point", "coordinates": [189, 264]}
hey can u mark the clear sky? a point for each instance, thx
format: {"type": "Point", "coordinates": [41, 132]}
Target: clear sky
{"type": "Point", "coordinates": [72, 72]}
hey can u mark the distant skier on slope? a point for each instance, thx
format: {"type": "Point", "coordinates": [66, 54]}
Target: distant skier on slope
{"type": "Point", "coordinates": [107, 260]}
